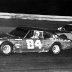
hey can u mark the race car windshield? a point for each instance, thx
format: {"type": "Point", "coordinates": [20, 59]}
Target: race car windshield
{"type": "Point", "coordinates": [18, 32]}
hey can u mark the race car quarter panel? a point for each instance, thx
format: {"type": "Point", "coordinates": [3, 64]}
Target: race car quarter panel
{"type": "Point", "coordinates": [66, 44]}
{"type": "Point", "coordinates": [68, 35]}
{"type": "Point", "coordinates": [47, 43]}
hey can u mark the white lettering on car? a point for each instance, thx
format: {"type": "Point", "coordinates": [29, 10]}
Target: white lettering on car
{"type": "Point", "coordinates": [32, 45]}
{"type": "Point", "coordinates": [38, 44]}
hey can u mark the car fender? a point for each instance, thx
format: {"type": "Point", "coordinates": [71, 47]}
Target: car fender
{"type": "Point", "coordinates": [58, 43]}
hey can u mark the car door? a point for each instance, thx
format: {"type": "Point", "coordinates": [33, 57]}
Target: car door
{"type": "Point", "coordinates": [33, 40]}
{"type": "Point", "coordinates": [38, 37]}
{"type": "Point", "coordinates": [28, 42]}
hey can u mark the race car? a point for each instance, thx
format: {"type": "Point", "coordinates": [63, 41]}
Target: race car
{"type": "Point", "coordinates": [24, 39]}
{"type": "Point", "coordinates": [66, 31]}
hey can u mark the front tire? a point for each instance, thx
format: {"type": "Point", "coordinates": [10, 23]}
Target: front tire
{"type": "Point", "coordinates": [6, 48]}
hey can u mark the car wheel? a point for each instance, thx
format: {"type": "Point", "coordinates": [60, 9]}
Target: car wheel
{"type": "Point", "coordinates": [56, 48]}
{"type": "Point", "coordinates": [6, 48]}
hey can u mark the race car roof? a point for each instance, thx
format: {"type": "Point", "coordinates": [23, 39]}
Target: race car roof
{"type": "Point", "coordinates": [36, 28]}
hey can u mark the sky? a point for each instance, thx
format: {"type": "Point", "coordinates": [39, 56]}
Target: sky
{"type": "Point", "coordinates": [44, 7]}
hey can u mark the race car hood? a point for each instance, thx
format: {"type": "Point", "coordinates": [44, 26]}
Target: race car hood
{"type": "Point", "coordinates": [6, 35]}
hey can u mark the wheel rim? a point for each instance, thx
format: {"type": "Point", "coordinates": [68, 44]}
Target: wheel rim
{"type": "Point", "coordinates": [56, 49]}
{"type": "Point", "coordinates": [6, 49]}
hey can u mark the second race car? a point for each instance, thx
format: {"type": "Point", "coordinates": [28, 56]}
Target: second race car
{"type": "Point", "coordinates": [66, 31]}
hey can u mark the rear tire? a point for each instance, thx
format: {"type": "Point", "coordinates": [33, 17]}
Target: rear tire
{"type": "Point", "coordinates": [6, 48]}
{"type": "Point", "coordinates": [56, 48]}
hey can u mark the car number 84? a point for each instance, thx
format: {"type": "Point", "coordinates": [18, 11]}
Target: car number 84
{"type": "Point", "coordinates": [31, 44]}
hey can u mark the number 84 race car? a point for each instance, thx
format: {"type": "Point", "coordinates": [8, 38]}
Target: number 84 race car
{"type": "Point", "coordinates": [32, 40]}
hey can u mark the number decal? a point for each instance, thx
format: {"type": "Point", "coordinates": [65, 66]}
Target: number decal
{"type": "Point", "coordinates": [31, 44]}
{"type": "Point", "coordinates": [38, 44]}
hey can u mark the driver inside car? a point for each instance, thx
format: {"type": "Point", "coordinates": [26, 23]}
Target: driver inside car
{"type": "Point", "coordinates": [36, 34]}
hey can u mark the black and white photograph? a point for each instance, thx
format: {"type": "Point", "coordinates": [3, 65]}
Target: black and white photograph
{"type": "Point", "coordinates": [35, 36]}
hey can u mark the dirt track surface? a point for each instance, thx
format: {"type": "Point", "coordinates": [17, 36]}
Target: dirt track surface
{"type": "Point", "coordinates": [34, 62]}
